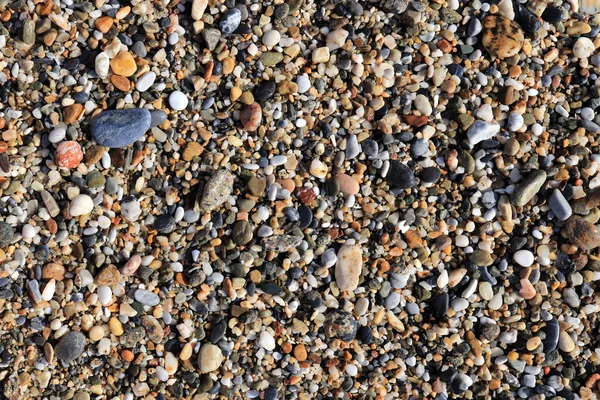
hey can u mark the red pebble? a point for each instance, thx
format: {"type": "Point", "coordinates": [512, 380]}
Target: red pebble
{"type": "Point", "coordinates": [68, 154]}
{"type": "Point", "coordinates": [306, 195]}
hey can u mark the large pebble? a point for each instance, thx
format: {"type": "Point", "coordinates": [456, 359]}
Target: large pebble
{"type": "Point", "coordinates": [400, 176]}
{"type": "Point", "coordinates": [528, 188]}
{"type": "Point", "coordinates": [502, 37]}
{"type": "Point", "coordinates": [583, 48]}
{"type": "Point", "coordinates": [81, 205]}
{"type": "Point", "coordinates": [178, 100]}
{"type": "Point", "coordinates": [217, 190]}
{"type": "Point", "coordinates": [348, 267]}
{"type": "Point", "coordinates": [230, 21]}
{"type": "Point", "coordinates": [210, 358]}
{"type": "Point", "coordinates": [70, 346]}
{"type": "Point", "coordinates": [251, 117]}
{"type": "Point", "coordinates": [482, 130]}
{"type": "Point", "coordinates": [120, 128]}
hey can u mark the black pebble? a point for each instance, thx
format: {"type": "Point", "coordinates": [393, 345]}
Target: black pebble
{"type": "Point", "coordinates": [265, 90]}
{"type": "Point", "coordinates": [430, 174]}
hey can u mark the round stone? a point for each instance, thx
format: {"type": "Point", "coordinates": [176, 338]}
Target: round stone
{"type": "Point", "coordinates": [178, 101]}
{"type": "Point", "coordinates": [81, 205]}
{"type": "Point", "coordinates": [210, 358]}
{"type": "Point", "coordinates": [68, 154]}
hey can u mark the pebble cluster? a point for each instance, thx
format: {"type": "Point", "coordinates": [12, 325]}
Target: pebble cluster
{"type": "Point", "coordinates": [299, 199]}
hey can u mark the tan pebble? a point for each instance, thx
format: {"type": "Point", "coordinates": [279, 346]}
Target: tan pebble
{"type": "Point", "coordinates": [115, 326]}
{"type": "Point", "coordinates": [96, 333]}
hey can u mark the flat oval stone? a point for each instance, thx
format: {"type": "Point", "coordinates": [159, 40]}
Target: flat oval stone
{"type": "Point", "coordinates": [528, 188]}
{"type": "Point", "coordinates": [120, 128]}
{"type": "Point", "coordinates": [70, 346]}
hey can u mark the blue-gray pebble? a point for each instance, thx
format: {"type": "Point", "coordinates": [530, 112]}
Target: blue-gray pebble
{"type": "Point", "coordinates": [120, 128]}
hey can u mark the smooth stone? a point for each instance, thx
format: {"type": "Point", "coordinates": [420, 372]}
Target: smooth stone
{"type": "Point", "coordinates": [266, 341]}
{"type": "Point", "coordinates": [481, 130]}
{"type": "Point", "coordinates": [475, 27]}
{"type": "Point", "coordinates": [440, 305]}
{"type": "Point", "coordinates": [481, 258]}
{"type": "Point", "coordinates": [178, 101]}
{"type": "Point", "coordinates": [560, 206]}
{"type": "Point", "coordinates": [81, 205]}
{"type": "Point", "coordinates": [147, 297]}
{"type": "Point", "coordinates": [400, 176]}
{"type": "Point", "coordinates": [230, 21]}
{"type": "Point", "coordinates": [282, 243]}
{"type": "Point", "coordinates": [552, 331]}
{"type": "Point", "coordinates": [526, 19]}
{"type": "Point", "coordinates": [145, 81]}
{"type": "Point", "coordinates": [583, 48]}
{"type": "Point", "coordinates": [210, 358]}
{"type": "Point", "coordinates": [502, 38]}
{"type": "Point", "coordinates": [565, 342]}
{"type": "Point", "coordinates": [515, 122]}
{"type": "Point", "coordinates": [70, 347]}
{"type": "Point", "coordinates": [348, 185]}
{"type": "Point", "coordinates": [157, 117]}
{"type": "Point", "coordinates": [352, 148]}
{"type": "Point", "coordinates": [348, 267]}
{"type": "Point", "coordinates": [524, 258]}
{"type": "Point", "coordinates": [528, 188]}
{"type": "Point", "coordinates": [265, 90]}
{"type": "Point", "coordinates": [120, 128]}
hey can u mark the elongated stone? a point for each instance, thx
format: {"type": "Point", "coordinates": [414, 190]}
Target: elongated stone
{"type": "Point", "coordinates": [528, 188]}
{"type": "Point", "coordinates": [217, 190]}
{"type": "Point", "coordinates": [551, 340]}
{"type": "Point", "coordinates": [560, 206]}
{"type": "Point", "coordinates": [348, 267]}
{"type": "Point", "coordinates": [120, 128]}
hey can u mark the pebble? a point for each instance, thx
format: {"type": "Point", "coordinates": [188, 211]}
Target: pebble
{"type": "Point", "coordinates": [528, 188]}
{"type": "Point", "coordinates": [251, 117]}
{"type": "Point", "coordinates": [400, 176]}
{"type": "Point", "coordinates": [120, 128]}
{"type": "Point", "coordinates": [583, 48]}
{"type": "Point", "coordinates": [266, 341]}
{"type": "Point", "coordinates": [481, 130]}
{"type": "Point", "coordinates": [230, 21]}
{"type": "Point", "coordinates": [68, 154]}
{"type": "Point", "coordinates": [217, 190]}
{"type": "Point", "coordinates": [524, 258]}
{"type": "Point", "coordinates": [147, 298]}
{"type": "Point", "coordinates": [81, 205]}
{"type": "Point", "coordinates": [146, 81]}
{"type": "Point", "coordinates": [348, 267]}
{"type": "Point", "coordinates": [560, 206]}
{"type": "Point", "coordinates": [210, 358]}
{"type": "Point", "coordinates": [178, 101]}
{"type": "Point", "coordinates": [70, 346]}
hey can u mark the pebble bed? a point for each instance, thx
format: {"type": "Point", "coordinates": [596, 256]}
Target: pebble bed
{"type": "Point", "coordinates": [299, 199]}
